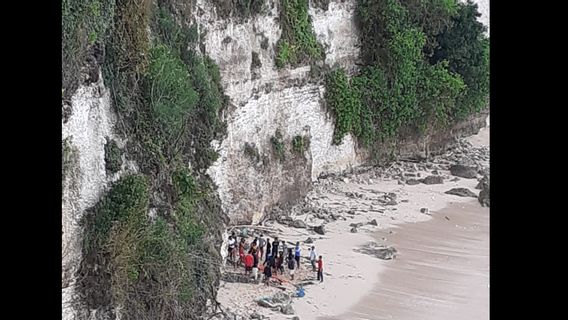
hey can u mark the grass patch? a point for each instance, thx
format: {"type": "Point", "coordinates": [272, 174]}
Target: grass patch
{"type": "Point", "coordinates": [113, 156]}
{"type": "Point", "coordinates": [84, 23]}
{"type": "Point", "coordinates": [278, 147]}
{"type": "Point", "coordinates": [298, 43]}
{"type": "Point", "coordinates": [300, 144]}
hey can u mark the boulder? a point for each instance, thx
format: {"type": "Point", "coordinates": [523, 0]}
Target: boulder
{"type": "Point", "coordinates": [309, 240]}
{"type": "Point", "coordinates": [298, 224]}
{"type": "Point", "coordinates": [412, 182]}
{"type": "Point", "coordinates": [461, 192]}
{"type": "Point", "coordinates": [424, 210]}
{"type": "Point", "coordinates": [373, 222]}
{"type": "Point", "coordinates": [483, 182]}
{"type": "Point", "coordinates": [484, 197]}
{"type": "Point", "coordinates": [319, 229]}
{"type": "Point", "coordinates": [433, 180]}
{"type": "Point", "coordinates": [354, 230]}
{"type": "Point", "coordinates": [462, 171]}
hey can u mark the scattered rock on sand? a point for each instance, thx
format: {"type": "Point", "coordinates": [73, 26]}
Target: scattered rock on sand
{"type": "Point", "coordinates": [462, 171]}
{"type": "Point", "coordinates": [373, 222]}
{"type": "Point", "coordinates": [433, 180]}
{"type": "Point", "coordinates": [424, 210]}
{"type": "Point", "coordinates": [319, 229]}
{"type": "Point", "coordinates": [354, 230]}
{"type": "Point", "coordinates": [298, 224]}
{"type": "Point", "coordinates": [309, 240]}
{"type": "Point", "coordinates": [412, 182]}
{"type": "Point", "coordinates": [484, 197]}
{"type": "Point", "coordinates": [482, 182]}
{"type": "Point", "coordinates": [378, 251]}
{"type": "Point", "coordinates": [462, 192]}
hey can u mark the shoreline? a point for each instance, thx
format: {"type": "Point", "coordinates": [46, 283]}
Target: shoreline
{"type": "Point", "coordinates": [452, 260]}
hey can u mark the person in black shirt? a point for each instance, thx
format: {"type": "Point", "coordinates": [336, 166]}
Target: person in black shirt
{"type": "Point", "coordinates": [268, 248]}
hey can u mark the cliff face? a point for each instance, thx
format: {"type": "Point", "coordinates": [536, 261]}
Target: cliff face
{"type": "Point", "coordinates": [259, 164]}
{"type": "Point", "coordinates": [266, 99]}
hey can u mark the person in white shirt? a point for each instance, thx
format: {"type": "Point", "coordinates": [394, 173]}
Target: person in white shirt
{"type": "Point", "coordinates": [313, 256]}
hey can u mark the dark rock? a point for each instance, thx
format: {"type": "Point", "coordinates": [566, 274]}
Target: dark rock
{"type": "Point", "coordinates": [295, 318]}
{"type": "Point", "coordinates": [462, 171]}
{"type": "Point", "coordinates": [484, 197]}
{"type": "Point", "coordinates": [462, 192]}
{"type": "Point", "coordinates": [309, 240]}
{"type": "Point", "coordinates": [392, 203]}
{"type": "Point", "coordinates": [353, 230]}
{"type": "Point", "coordinates": [319, 229]}
{"type": "Point", "coordinates": [298, 224]}
{"type": "Point", "coordinates": [356, 225]}
{"type": "Point", "coordinates": [373, 222]}
{"type": "Point", "coordinates": [392, 195]}
{"type": "Point", "coordinates": [412, 182]}
{"type": "Point", "coordinates": [433, 180]}
{"type": "Point", "coordinates": [351, 212]}
{"type": "Point", "coordinates": [424, 210]}
{"type": "Point", "coordinates": [435, 172]}
{"type": "Point", "coordinates": [483, 182]}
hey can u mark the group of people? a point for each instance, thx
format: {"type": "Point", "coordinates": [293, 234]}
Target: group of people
{"type": "Point", "coordinates": [275, 254]}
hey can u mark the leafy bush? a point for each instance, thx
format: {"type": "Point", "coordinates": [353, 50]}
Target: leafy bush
{"type": "Point", "coordinates": [298, 43]}
{"type": "Point", "coordinates": [427, 65]}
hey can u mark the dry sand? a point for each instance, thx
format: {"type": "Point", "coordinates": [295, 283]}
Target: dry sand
{"type": "Point", "coordinates": [441, 267]}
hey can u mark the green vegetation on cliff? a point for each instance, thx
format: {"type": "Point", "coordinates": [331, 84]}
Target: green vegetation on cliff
{"type": "Point", "coordinates": [148, 240]}
{"type": "Point", "coordinates": [298, 43]}
{"type": "Point", "coordinates": [426, 66]}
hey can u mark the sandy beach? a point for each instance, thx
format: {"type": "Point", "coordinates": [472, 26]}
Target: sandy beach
{"type": "Point", "coordinates": [441, 267]}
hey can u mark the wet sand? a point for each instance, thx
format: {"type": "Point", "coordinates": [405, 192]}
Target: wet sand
{"type": "Point", "coordinates": [441, 272]}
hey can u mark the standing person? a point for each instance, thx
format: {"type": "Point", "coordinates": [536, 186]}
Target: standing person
{"type": "Point", "coordinates": [291, 263]}
{"type": "Point", "coordinates": [320, 269]}
{"type": "Point", "coordinates": [297, 254]}
{"type": "Point", "coordinates": [232, 249]}
{"type": "Point", "coordinates": [313, 257]}
{"type": "Point", "coordinates": [242, 251]}
{"type": "Point", "coordinates": [279, 262]}
{"type": "Point", "coordinates": [261, 244]}
{"type": "Point", "coordinates": [267, 273]}
{"type": "Point", "coordinates": [254, 252]}
{"type": "Point", "coordinates": [268, 248]}
{"type": "Point", "coordinates": [275, 245]}
{"type": "Point", "coordinates": [249, 261]}
{"type": "Point", "coordinates": [284, 248]}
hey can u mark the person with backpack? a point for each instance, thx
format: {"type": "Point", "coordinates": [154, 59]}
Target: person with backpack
{"type": "Point", "coordinates": [291, 263]}
{"type": "Point", "coordinates": [297, 254]}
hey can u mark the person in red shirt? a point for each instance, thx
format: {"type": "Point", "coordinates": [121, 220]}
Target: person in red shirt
{"type": "Point", "coordinates": [320, 269]}
{"type": "Point", "coordinates": [249, 261]}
